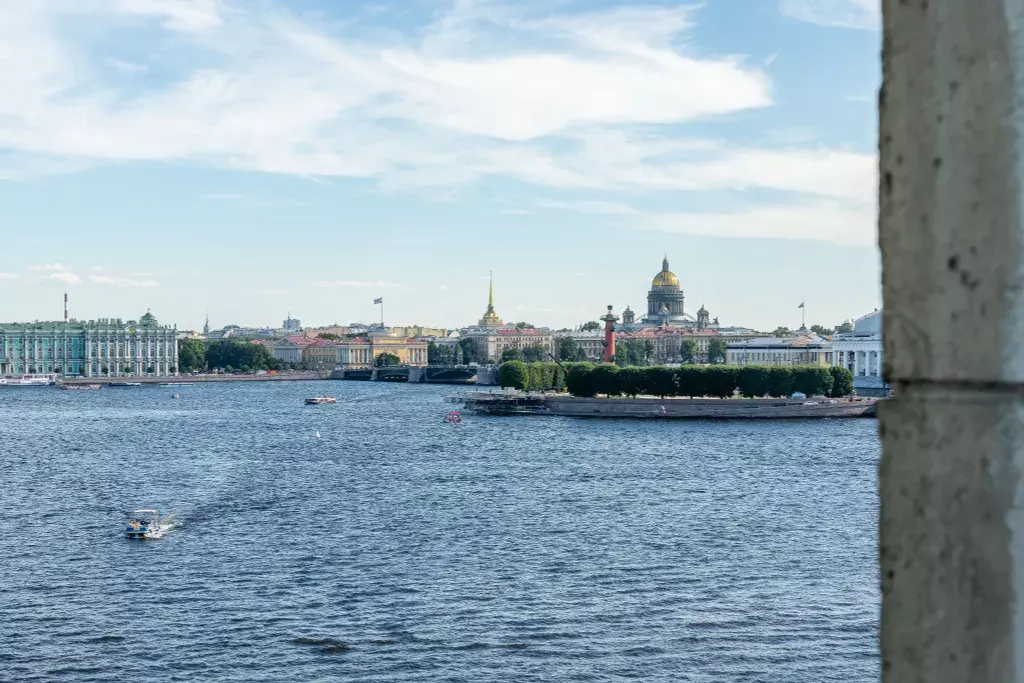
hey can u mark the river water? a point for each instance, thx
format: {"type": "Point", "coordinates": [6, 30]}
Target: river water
{"type": "Point", "coordinates": [396, 547]}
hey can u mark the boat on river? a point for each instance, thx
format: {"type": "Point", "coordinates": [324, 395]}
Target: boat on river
{"type": "Point", "coordinates": [319, 400]}
{"type": "Point", "coordinates": [146, 524]}
{"type": "Point", "coordinates": [81, 387]}
{"type": "Point", "coordinates": [125, 384]}
{"type": "Point", "coordinates": [31, 380]}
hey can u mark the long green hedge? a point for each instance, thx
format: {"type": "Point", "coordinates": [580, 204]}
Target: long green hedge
{"type": "Point", "coordinates": [516, 374]}
{"type": "Point", "coordinates": [719, 381]}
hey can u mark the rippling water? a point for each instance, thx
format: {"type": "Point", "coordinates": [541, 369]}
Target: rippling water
{"type": "Point", "coordinates": [400, 548]}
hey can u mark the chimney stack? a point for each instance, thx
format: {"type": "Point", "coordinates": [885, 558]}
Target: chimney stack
{"type": "Point", "coordinates": [65, 306]}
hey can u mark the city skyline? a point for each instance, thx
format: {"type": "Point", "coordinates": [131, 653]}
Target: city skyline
{"type": "Point", "coordinates": [406, 150]}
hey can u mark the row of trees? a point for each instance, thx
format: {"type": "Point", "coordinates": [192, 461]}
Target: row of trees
{"type": "Point", "coordinates": [821, 330]}
{"type": "Point", "coordinates": [752, 381]}
{"type": "Point", "coordinates": [585, 379]}
{"type": "Point", "coordinates": [462, 353]}
{"type": "Point", "coordinates": [196, 355]}
{"type": "Point", "coordinates": [532, 376]}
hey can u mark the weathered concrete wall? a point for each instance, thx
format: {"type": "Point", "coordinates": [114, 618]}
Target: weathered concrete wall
{"type": "Point", "coordinates": [950, 230]}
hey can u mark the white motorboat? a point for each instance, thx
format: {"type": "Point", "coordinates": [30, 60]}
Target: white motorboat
{"type": "Point", "coordinates": [145, 524]}
{"type": "Point", "coordinates": [31, 380]}
{"type": "Point", "coordinates": [319, 400]}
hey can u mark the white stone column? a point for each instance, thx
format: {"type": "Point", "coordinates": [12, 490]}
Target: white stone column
{"type": "Point", "coordinates": [951, 231]}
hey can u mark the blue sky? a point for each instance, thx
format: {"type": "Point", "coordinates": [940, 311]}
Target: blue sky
{"type": "Point", "coordinates": [259, 157]}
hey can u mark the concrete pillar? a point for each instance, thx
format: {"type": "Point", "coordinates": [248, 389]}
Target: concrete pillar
{"type": "Point", "coordinates": [951, 225]}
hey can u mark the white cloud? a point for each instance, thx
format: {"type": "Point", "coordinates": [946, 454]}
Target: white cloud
{"type": "Point", "coordinates": [354, 284]}
{"type": "Point", "coordinates": [121, 282]}
{"type": "Point", "coordinates": [9, 276]}
{"type": "Point", "coordinates": [835, 222]}
{"type": "Point", "coordinates": [486, 90]}
{"type": "Point", "coordinates": [858, 14]}
{"type": "Point", "coordinates": [67, 278]}
{"type": "Point", "coordinates": [99, 268]}
{"type": "Point", "coordinates": [47, 267]}
{"type": "Point", "coordinates": [588, 206]}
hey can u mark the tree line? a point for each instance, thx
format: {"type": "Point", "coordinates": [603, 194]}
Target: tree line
{"type": "Point", "coordinates": [228, 355]}
{"type": "Point", "coordinates": [694, 381]}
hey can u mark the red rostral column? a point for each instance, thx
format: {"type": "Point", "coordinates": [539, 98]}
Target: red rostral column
{"type": "Point", "coordinates": [609, 336]}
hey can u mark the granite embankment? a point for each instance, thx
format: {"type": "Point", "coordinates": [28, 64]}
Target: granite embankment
{"type": "Point", "coordinates": [189, 379]}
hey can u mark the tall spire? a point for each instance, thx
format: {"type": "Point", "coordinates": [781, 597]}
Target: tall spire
{"type": "Point", "coordinates": [490, 292]}
{"type": "Point", "coordinates": [490, 318]}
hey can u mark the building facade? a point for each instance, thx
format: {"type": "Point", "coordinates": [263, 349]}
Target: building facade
{"type": "Point", "coordinates": [96, 348]}
{"type": "Point", "coordinates": [803, 350]}
{"type": "Point", "coordinates": [666, 342]}
{"type": "Point", "coordinates": [591, 341]}
{"type": "Point", "coordinates": [860, 352]}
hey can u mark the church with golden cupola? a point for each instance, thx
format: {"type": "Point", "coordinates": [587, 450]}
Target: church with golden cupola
{"type": "Point", "coordinates": [666, 306]}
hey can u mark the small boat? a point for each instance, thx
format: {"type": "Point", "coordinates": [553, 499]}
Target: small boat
{"type": "Point", "coordinates": [81, 387]}
{"type": "Point", "coordinates": [320, 399]}
{"type": "Point", "coordinates": [176, 384]}
{"type": "Point", "coordinates": [125, 384]}
{"type": "Point", "coordinates": [145, 524]}
{"type": "Point", "coordinates": [453, 417]}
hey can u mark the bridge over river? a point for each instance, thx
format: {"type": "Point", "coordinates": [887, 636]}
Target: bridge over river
{"type": "Point", "coordinates": [430, 374]}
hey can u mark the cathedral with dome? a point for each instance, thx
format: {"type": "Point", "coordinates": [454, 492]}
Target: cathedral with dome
{"type": "Point", "coordinates": [666, 306]}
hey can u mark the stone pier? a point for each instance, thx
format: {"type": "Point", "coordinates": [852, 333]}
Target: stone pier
{"type": "Point", "coordinates": [950, 230]}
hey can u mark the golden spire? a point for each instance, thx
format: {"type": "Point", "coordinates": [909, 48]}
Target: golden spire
{"type": "Point", "coordinates": [490, 318]}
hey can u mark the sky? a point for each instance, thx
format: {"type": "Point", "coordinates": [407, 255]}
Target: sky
{"type": "Point", "coordinates": [250, 158]}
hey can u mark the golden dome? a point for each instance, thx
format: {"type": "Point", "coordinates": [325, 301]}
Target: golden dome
{"type": "Point", "coordinates": [666, 278]}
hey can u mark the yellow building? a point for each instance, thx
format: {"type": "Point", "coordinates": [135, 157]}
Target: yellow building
{"type": "Point", "coordinates": [364, 351]}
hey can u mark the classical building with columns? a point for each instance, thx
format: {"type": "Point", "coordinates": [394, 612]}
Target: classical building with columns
{"type": "Point", "coordinates": [860, 352]}
{"type": "Point", "coordinates": [106, 347]}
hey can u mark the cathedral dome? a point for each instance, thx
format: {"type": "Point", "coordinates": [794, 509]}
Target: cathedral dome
{"type": "Point", "coordinates": [666, 278]}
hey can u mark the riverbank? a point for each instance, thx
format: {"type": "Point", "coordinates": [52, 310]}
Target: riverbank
{"type": "Point", "coordinates": [508, 403]}
{"type": "Point", "coordinates": [195, 379]}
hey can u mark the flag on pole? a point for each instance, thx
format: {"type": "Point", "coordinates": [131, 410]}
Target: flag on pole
{"type": "Point", "coordinates": [381, 300]}
{"type": "Point", "coordinates": [801, 305]}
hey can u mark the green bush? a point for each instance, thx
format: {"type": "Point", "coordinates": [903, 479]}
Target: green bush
{"type": "Point", "coordinates": [812, 381]}
{"type": "Point", "coordinates": [753, 381]}
{"type": "Point", "coordinates": [780, 381]}
{"type": "Point", "coordinates": [721, 381]}
{"type": "Point", "coordinates": [632, 381]}
{"type": "Point", "coordinates": [691, 380]}
{"type": "Point", "coordinates": [578, 380]}
{"type": "Point", "coordinates": [605, 379]}
{"type": "Point", "coordinates": [514, 375]}
{"type": "Point", "coordinates": [661, 381]}
{"type": "Point", "coordinates": [842, 382]}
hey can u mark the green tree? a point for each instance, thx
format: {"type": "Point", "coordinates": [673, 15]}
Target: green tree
{"type": "Point", "coordinates": [605, 379]}
{"type": "Point", "coordinates": [753, 380]}
{"type": "Point", "coordinates": [386, 360]}
{"type": "Point", "coordinates": [440, 354]}
{"type": "Point", "coordinates": [635, 352]}
{"type": "Point", "coordinates": [844, 328]}
{"type": "Point", "coordinates": [812, 381]}
{"type": "Point", "coordinates": [236, 353]}
{"type": "Point", "coordinates": [622, 354]}
{"type": "Point", "coordinates": [721, 381]}
{"type": "Point", "coordinates": [514, 374]}
{"type": "Point", "coordinates": [782, 331]}
{"type": "Point", "coordinates": [509, 355]}
{"type": "Point", "coordinates": [328, 335]}
{"type": "Point", "coordinates": [716, 351]}
{"type": "Point", "coordinates": [842, 382]}
{"type": "Point", "coordinates": [688, 352]}
{"type": "Point", "coordinates": [468, 347]}
{"type": "Point", "coordinates": [570, 350]}
{"type": "Point", "coordinates": [648, 350]}
{"type": "Point", "coordinates": [591, 326]}
{"type": "Point", "coordinates": [192, 355]}
{"type": "Point", "coordinates": [524, 326]}
{"type": "Point", "coordinates": [578, 381]}
{"type": "Point", "coordinates": [691, 381]}
{"type": "Point", "coordinates": [780, 380]}
{"type": "Point", "coordinates": [534, 354]}
{"type": "Point", "coordinates": [822, 331]}
{"type": "Point", "coordinates": [661, 381]}
{"type": "Point", "coordinates": [632, 381]}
